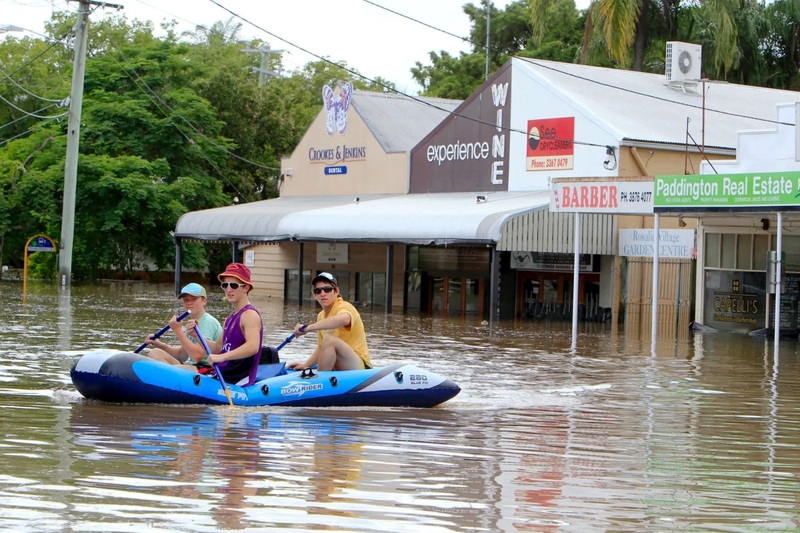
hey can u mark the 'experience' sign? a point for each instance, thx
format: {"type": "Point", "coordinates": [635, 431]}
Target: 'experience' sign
{"type": "Point", "coordinates": [727, 191]}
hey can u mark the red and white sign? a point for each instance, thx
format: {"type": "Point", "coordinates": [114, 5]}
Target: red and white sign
{"type": "Point", "coordinates": [551, 144]}
{"type": "Point", "coordinates": [598, 196]}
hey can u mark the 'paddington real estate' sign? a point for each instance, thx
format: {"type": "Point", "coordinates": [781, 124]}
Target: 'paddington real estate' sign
{"type": "Point", "coordinates": [725, 192]}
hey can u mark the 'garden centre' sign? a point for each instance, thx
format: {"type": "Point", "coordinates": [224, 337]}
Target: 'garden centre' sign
{"type": "Point", "coordinates": [726, 192]}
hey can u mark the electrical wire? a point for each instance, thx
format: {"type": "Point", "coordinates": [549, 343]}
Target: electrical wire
{"type": "Point", "coordinates": [40, 54]}
{"type": "Point", "coordinates": [33, 115]}
{"type": "Point", "coordinates": [7, 124]}
{"type": "Point", "coordinates": [589, 80]}
{"type": "Point", "coordinates": [385, 86]}
{"type": "Point", "coordinates": [30, 130]}
{"type": "Point", "coordinates": [160, 104]}
{"type": "Point", "coordinates": [26, 91]}
{"type": "Point", "coordinates": [412, 19]}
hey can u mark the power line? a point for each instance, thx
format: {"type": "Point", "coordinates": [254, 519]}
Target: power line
{"type": "Point", "coordinates": [159, 103]}
{"type": "Point", "coordinates": [383, 85]}
{"type": "Point", "coordinates": [540, 64]}
{"type": "Point", "coordinates": [40, 54]}
{"type": "Point", "coordinates": [33, 115]}
{"type": "Point", "coordinates": [412, 19]}
{"type": "Point", "coordinates": [30, 130]}
{"type": "Point", "coordinates": [652, 96]}
{"type": "Point", "coordinates": [26, 91]}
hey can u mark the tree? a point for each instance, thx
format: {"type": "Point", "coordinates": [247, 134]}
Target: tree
{"type": "Point", "coordinates": [457, 77]}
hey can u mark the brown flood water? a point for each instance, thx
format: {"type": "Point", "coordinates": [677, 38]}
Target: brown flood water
{"type": "Point", "coordinates": [701, 436]}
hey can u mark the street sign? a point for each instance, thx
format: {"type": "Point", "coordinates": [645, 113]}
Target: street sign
{"type": "Point", "coordinates": [41, 244]}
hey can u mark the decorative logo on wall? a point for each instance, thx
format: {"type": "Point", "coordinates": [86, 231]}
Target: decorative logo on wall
{"type": "Point", "coordinates": [336, 105]}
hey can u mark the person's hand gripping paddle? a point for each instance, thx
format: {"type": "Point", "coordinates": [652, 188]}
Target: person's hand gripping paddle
{"type": "Point", "coordinates": [216, 366]}
{"type": "Point", "coordinates": [162, 331]}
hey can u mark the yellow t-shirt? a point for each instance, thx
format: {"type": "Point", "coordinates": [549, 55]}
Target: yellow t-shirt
{"type": "Point", "coordinates": [354, 334]}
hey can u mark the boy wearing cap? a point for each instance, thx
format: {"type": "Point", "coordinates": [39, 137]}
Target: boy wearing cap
{"type": "Point", "coordinates": [190, 350]}
{"type": "Point", "coordinates": [341, 339]}
{"type": "Point", "coordinates": [238, 351]}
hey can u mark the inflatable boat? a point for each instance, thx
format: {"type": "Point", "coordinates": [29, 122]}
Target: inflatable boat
{"type": "Point", "coordinates": [127, 377]}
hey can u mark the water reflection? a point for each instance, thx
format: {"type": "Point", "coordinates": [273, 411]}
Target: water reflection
{"type": "Point", "coordinates": [545, 435]}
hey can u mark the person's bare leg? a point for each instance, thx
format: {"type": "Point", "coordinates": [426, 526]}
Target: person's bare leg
{"type": "Point", "coordinates": [160, 355]}
{"type": "Point", "coordinates": [335, 354]}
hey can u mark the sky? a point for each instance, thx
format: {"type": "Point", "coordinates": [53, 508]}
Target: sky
{"type": "Point", "coordinates": [369, 39]}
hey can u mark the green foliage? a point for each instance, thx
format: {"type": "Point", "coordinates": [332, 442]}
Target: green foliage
{"type": "Point", "coordinates": [169, 125]}
{"type": "Point", "coordinates": [181, 123]}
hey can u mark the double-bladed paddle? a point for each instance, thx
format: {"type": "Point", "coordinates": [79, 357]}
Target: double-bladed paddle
{"type": "Point", "coordinates": [216, 366]}
{"type": "Point", "coordinates": [162, 331]}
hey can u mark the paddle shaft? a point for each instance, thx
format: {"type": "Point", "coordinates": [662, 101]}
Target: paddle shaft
{"type": "Point", "coordinates": [162, 331]}
{"type": "Point", "coordinates": [289, 339]}
{"type": "Point", "coordinates": [216, 366]}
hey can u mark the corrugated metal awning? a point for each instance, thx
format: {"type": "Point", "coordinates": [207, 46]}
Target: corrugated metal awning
{"type": "Point", "coordinates": [255, 221]}
{"type": "Point", "coordinates": [436, 218]}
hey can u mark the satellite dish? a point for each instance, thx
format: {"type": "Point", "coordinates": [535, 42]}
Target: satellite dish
{"type": "Point", "coordinates": [685, 61]}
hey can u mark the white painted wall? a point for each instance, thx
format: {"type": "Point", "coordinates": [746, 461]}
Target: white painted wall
{"type": "Point", "coordinates": [532, 99]}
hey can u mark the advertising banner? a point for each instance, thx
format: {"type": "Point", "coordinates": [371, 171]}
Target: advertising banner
{"type": "Point", "coordinates": [613, 196]}
{"type": "Point", "coordinates": [726, 192]}
{"type": "Point", "coordinates": [551, 144]}
{"type": "Point", "coordinates": [672, 243]}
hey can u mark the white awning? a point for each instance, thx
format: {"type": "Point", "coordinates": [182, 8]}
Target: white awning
{"type": "Point", "coordinates": [435, 218]}
{"type": "Point", "coordinates": [252, 222]}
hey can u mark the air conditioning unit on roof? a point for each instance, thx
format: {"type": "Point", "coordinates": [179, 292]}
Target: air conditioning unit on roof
{"type": "Point", "coordinates": [683, 61]}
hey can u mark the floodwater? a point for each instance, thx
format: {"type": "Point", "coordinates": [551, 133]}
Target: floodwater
{"type": "Point", "coordinates": [703, 435]}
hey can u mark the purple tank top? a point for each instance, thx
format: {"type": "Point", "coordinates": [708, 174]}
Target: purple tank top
{"type": "Point", "coordinates": [232, 338]}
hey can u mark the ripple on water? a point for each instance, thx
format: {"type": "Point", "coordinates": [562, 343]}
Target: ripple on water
{"type": "Point", "coordinates": [600, 436]}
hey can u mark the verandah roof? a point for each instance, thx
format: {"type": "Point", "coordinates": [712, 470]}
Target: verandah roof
{"type": "Point", "coordinates": [436, 218]}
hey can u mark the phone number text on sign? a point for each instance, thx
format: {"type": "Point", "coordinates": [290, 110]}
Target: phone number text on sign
{"type": "Point", "coordinates": [546, 163]}
{"type": "Point", "coordinates": [635, 196]}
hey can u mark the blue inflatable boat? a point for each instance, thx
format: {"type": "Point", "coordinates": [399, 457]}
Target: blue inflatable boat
{"type": "Point", "coordinates": [127, 377]}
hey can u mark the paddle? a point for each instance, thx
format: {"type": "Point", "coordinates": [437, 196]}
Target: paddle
{"type": "Point", "coordinates": [216, 367]}
{"type": "Point", "coordinates": [162, 331]}
{"type": "Point", "coordinates": [289, 339]}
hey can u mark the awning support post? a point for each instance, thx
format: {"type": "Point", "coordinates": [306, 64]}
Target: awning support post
{"type": "Point", "coordinates": [178, 266]}
{"type": "Point", "coordinates": [299, 273]}
{"type": "Point", "coordinates": [389, 276]}
{"type": "Point", "coordinates": [235, 252]}
{"type": "Point", "coordinates": [576, 276]}
{"type": "Point", "coordinates": [654, 308]}
{"type": "Point", "coordinates": [494, 287]}
{"type": "Point", "coordinates": [778, 285]}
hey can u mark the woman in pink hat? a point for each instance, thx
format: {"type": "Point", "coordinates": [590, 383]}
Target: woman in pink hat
{"type": "Point", "coordinates": [238, 352]}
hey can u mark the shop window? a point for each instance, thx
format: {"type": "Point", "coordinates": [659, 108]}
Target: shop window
{"type": "Point", "coordinates": [370, 288]}
{"type": "Point", "coordinates": [473, 297]}
{"type": "Point", "coordinates": [744, 252]}
{"type": "Point", "coordinates": [454, 296]}
{"type": "Point", "coordinates": [437, 294]}
{"type": "Point", "coordinates": [550, 291]}
{"type": "Point", "coordinates": [290, 285]}
{"type": "Point", "coordinates": [760, 249]}
{"type": "Point", "coordinates": [791, 246]}
{"type": "Point", "coordinates": [414, 290]}
{"type": "Point", "coordinates": [728, 251]}
{"type": "Point", "coordinates": [712, 250]}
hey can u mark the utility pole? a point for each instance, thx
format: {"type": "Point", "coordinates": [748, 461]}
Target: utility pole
{"type": "Point", "coordinates": [263, 71]}
{"type": "Point", "coordinates": [73, 139]}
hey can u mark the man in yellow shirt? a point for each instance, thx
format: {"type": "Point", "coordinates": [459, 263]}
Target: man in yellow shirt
{"type": "Point", "coordinates": [341, 339]}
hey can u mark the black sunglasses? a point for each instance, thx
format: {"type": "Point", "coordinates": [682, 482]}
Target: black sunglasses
{"type": "Point", "coordinates": [325, 289]}
{"type": "Point", "coordinates": [233, 285]}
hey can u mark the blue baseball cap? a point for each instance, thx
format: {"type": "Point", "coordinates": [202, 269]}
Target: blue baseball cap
{"type": "Point", "coordinates": [193, 289]}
